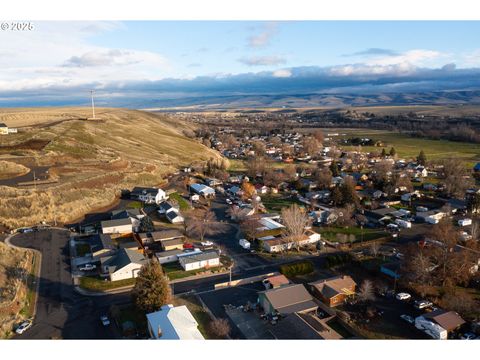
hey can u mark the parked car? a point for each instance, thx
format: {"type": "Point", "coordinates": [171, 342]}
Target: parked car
{"type": "Point", "coordinates": [228, 201]}
{"type": "Point", "coordinates": [105, 320]}
{"type": "Point", "coordinates": [407, 318]}
{"type": "Point", "coordinates": [422, 304]}
{"type": "Point", "coordinates": [24, 326]}
{"type": "Point", "coordinates": [206, 243]}
{"type": "Point", "coordinates": [468, 336]}
{"type": "Point", "coordinates": [87, 267]}
{"type": "Point", "coordinates": [403, 296]}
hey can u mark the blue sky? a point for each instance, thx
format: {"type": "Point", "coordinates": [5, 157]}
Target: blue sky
{"type": "Point", "coordinates": [59, 61]}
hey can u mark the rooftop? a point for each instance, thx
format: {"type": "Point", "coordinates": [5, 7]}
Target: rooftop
{"type": "Point", "coordinates": [173, 323]}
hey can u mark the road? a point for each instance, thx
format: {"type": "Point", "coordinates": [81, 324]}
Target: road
{"type": "Point", "coordinates": [61, 312]}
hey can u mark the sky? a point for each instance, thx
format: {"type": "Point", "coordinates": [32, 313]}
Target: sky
{"type": "Point", "coordinates": [59, 62]}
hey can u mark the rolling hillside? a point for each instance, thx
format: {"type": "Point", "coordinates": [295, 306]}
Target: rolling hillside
{"type": "Point", "coordinates": [81, 165]}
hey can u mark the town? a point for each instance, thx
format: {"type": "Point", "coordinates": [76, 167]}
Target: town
{"type": "Point", "coordinates": [293, 233]}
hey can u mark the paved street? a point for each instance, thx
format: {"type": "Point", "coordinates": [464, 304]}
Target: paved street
{"type": "Point", "coordinates": [61, 312]}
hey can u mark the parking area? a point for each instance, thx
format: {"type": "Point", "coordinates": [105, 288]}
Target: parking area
{"type": "Point", "coordinates": [217, 301]}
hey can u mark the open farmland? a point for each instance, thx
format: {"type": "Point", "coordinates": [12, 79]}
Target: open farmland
{"type": "Point", "coordinates": [409, 147]}
{"type": "Point", "coordinates": [83, 164]}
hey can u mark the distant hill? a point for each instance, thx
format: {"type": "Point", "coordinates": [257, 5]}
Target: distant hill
{"type": "Point", "coordinates": [81, 165]}
{"type": "Point", "coordinates": [317, 100]}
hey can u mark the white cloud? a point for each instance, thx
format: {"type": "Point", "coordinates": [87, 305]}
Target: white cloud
{"type": "Point", "coordinates": [60, 54]}
{"type": "Point", "coordinates": [262, 60]}
{"type": "Point", "coordinates": [262, 39]}
{"type": "Point", "coordinates": [282, 73]}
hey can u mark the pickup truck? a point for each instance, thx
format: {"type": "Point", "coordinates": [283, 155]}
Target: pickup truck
{"type": "Point", "coordinates": [87, 267]}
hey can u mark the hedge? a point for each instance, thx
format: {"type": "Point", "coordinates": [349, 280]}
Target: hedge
{"type": "Point", "coordinates": [338, 259]}
{"type": "Point", "coordinates": [299, 268]}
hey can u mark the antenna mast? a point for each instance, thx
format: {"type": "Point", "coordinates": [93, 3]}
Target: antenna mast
{"type": "Point", "coordinates": [93, 104]}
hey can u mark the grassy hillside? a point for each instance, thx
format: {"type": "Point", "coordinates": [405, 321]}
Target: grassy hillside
{"type": "Point", "coordinates": [81, 165]}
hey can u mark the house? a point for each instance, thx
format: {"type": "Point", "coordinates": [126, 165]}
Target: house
{"type": "Point", "coordinates": [101, 245]}
{"type": "Point", "coordinates": [276, 281]}
{"type": "Point", "coordinates": [323, 216]}
{"type": "Point", "coordinates": [3, 129]}
{"type": "Point", "coordinates": [169, 239]}
{"type": "Point", "coordinates": [117, 226]}
{"type": "Point", "coordinates": [203, 190]}
{"type": "Point", "coordinates": [173, 323]}
{"type": "Point", "coordinates": [380, 215]}
{"type": "Point", "coordinates": [449, 320]}
{"type": "Point", "coordinates": [335, 290]}
{"type": "Point", "coordinates": [164, 207]}
{"type": "Point", "coordinates": [169, 256]}
{"type": "Point", "coordinates": [148, 195]}
{"type": "Point", "coordinates": [410, 196]}
{"type": "Point", "coordinates": [206, 259]}
{"type": "Point", "coordinates": [261, 189]}
{"type": "Point", "coordinates": [286, 300]}
{"type": "Point", "coordinates": [133, 214]}
{"type": "Point", "coordinates": [124, 264]}
{"type": "Point", "coordinates": [174, 217]}
{"type": "Point", "coordinates": [213, 182]}
{"type": "Point", "coordinates": [431, 217]}
{"type": "Point", "coordinates": [274, 244]}
{"type": "Point", "coordinates": [235, 191]}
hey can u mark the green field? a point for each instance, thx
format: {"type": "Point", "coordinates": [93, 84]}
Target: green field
{"type": "Point", "coordinates": [409, 147]}
{"type": "Point", "coordinates": [182, 203]}
{"type": "Point", "coordinates": [97, 284]}
{"type": "Point", "coordinates": [276, 202]}
{"type": "Point", "coordinates": [330, 233]}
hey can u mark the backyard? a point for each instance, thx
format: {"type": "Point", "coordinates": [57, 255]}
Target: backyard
{"type": "Point", "coordinates": [350, 234]}
{"type": "Point", "coordinates": [97, 284]}
{"type": "Point", "coordinates": [276, 202]}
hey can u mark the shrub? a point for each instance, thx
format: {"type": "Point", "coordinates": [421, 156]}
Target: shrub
{"type": "Point", "coordinates": [299, 268]}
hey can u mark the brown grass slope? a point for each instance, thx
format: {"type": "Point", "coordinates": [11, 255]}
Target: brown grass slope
{"type": "Point", "coordinates": [88, 161]}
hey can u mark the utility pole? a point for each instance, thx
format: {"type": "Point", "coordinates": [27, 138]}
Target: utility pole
{"type": "Point", "coordinates": [93, 104]}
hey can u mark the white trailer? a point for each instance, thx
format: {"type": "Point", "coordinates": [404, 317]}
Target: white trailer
{"type": "Point", "coordinates": [430, 328]}
{"type": "Point", "coordinates": [403, 223]}
{"type": "Point", "coordinates": [245, 244]}
{"type": "Point", "coordinates": [464, 222]}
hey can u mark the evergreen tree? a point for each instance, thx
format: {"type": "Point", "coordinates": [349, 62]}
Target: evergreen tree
{"type": "Point", "coordinates": [393, 152]}
{"type": "Point", "coordinates": [422, 158]}
{"type": "Point", "coordinates": [334, 169]}
{"type": "Point", "coordinates": [337, 196]}
{"type": "Point", "coordinates": [384, 153]}
{"type": "Point", "coordinates": [151, 290]}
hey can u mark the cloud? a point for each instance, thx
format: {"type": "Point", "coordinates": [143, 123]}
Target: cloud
{"type": "Point", "coordinates": [262, 39]}
{"type": "Point", "coordinates": [101, 58]}
{"type": "Point", "coordinates": [282, 73]}
{"type": "Point", "coordinates": [373, 51]}
{"type": "Point", "coordinates": [263, 60]}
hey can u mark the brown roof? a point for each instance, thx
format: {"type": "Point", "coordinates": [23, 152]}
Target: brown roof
{"type": "Point", "coordinates": [334, 286]}
{"type": "Point", "coordinates": [290, 298]}
{"type": "Point", "coordinates": [449, 320]}
{"type": "Point", "coordinates": [166, 234]}
{"type": "Point", "coordinates": [278, 280]}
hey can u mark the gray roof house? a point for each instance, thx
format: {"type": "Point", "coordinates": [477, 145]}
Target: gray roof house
{"type": "Point", "coordinates": [287, 299]}
{"type": "Point", "coordinates": [124, 264]}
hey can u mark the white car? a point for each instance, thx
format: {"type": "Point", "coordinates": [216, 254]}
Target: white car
{"type": "Point", "coordinates": [403, 296]}
{"type": "Point", "coordinates": [229, 202]}
{"type": "Point", "coordinates": [104, 319]}
{"type": "Point", "coordinates": [87, 267]}
{"type": "Point", "coordinates": [422, 304]}
{"type": "Point", "coordinates": [23, 327]}
{"type": "Point", "coordinates": [206, 243]}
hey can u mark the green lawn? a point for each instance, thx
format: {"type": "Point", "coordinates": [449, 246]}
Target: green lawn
{"type": "Point", "coordinates": [174, 271]}
{"type": "Point", "coordinates": [276, 202]}
{"type": "Point", "coordinates": [98, 284]}
{"type": "Point", "coordinates": [135, 205]}
{"type": "Point", "coordinates": [330, 233]}
{"type": "Point", "coordinates": [182, 203]}
{"type": "Point", "coordinates": [409, 147]}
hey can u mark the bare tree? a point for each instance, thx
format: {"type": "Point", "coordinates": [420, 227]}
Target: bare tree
{"type": "Point", "coordinates": [202, 223]}
{"type": "Point", "coordinates": [455, 177]}
{"type": "Point", "coordinates": [323, 178]}
{"type": "Point", "coordinates": [220, 328]}
{"type": "Point", "coordinates": [250, 226]}
{"type": "Point", "coordinates": [345, 216]}
{"type": "Point", "coordinates": [375, 248]}
{"type": "Point", "coordinates": [366, 291]}
{"type": "Point", "coordinates": [296, 220]}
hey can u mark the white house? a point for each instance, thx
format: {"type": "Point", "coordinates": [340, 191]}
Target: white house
{"type": "Point", "coordinates": [200, 260]}
{"type": "Point", "coordinates": [173, 323]}
{"type": "Point", "coordinates": [169, 256]}
{"type": "Point", "coordinates": [125, 264]}
{"type": "Point", "coordinates": [148, 195]}
{"type": "Point", "coordinates": [117, 226]}
{"type": "Point", "coordinates": [276, 244]}
{"type": "Point", "coordinates": [3, 129]}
